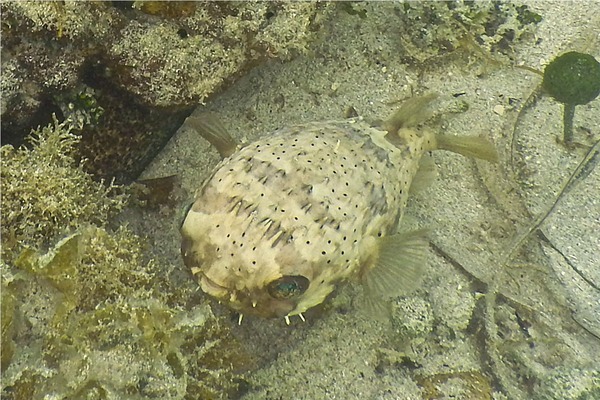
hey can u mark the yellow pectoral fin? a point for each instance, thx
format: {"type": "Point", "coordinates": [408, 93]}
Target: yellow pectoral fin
{"type": "Point", "coordinates": [398, 265]}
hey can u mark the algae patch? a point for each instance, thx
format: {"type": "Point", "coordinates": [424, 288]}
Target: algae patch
{"type": "Point", "coordinates": [87, 311]}
{"type": "Point", "coordinates": [46, 194]}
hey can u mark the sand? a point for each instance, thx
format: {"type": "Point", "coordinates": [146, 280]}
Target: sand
{"type": "Point", "coordinates": [510, 307]}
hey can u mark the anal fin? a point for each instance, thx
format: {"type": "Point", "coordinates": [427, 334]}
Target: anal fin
{"type": "Point", "coordinates": [425, 176]}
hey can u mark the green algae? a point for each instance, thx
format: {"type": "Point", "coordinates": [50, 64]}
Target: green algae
{"type": "Point", "coordinates": [7, 310]}
{"type": "Point", "coordinates": [87, 311]}
{"type": "Point", "coordinates": [133, 71]}
{"type": "Point", "coordinates": [572, 79]}
{"type": "Point", "coordinates": [45, 193]}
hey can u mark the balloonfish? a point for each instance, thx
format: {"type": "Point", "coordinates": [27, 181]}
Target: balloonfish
{"type": "Point", "coordinates": [284, 220]}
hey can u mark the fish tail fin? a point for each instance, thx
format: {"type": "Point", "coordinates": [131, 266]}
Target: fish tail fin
{"type": "Point", "coordinates": [415, 111]}
{"type": "Point", "coordinates": [210, 128]}
{"type": "Point", "coordinates": [469, 146]}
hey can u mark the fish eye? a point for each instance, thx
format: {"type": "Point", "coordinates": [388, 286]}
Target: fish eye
{"type": "Point", "coordinates": [288, 286]}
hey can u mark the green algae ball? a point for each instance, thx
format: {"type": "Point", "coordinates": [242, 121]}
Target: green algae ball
{"type": "Point", "coordinates": [573, 78]}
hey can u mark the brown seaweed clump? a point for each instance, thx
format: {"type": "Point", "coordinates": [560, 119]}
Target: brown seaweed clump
{"type": "Point", "coordinates": [87, 311]}
{"type": "Point", "coordinates": [45, 194]}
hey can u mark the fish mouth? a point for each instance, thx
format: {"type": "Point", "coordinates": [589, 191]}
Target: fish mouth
{"type": "Point", "coordinates": [263, 305]}
{"type": "Point", "coordinates": [212, 288]}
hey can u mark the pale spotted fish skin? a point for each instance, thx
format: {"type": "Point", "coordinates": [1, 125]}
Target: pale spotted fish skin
{"type": "Point", "coordinates": [281, 222]}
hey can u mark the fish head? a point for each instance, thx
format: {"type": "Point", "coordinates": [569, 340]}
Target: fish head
{"type": "Point", "coordinates": [278, 298]}
{"type": "Point", "coordinates": [255, 278]}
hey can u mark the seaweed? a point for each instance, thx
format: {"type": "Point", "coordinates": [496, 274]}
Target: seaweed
{"type": "Point", "coordinates": [572, 79]}
{"type": "Point", "coordinates": [87, 310]}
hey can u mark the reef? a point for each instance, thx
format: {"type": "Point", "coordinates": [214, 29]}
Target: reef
{"type": "Point", "coordinates": [87, 310]}
{"type": "Point", "coordinates": [130, 72]}
{"type": "Point", "coordinates": [434, 30]}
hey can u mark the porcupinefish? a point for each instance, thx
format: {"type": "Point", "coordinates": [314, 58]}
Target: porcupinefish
{"type": "Point", "coordinates": [283, 220]}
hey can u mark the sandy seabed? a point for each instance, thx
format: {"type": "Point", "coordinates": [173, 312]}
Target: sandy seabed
{"type": "Point", "coordinates": [509, 309]}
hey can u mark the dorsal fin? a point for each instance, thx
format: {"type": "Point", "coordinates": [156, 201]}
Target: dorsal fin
{"type": "Point", "coordinates": [412, 112]}
{"type": "Point", "coordinates": [210, 128]}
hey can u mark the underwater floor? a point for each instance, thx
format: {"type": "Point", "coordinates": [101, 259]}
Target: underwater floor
{"type": "Point", "coordinates": [510, 307]}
